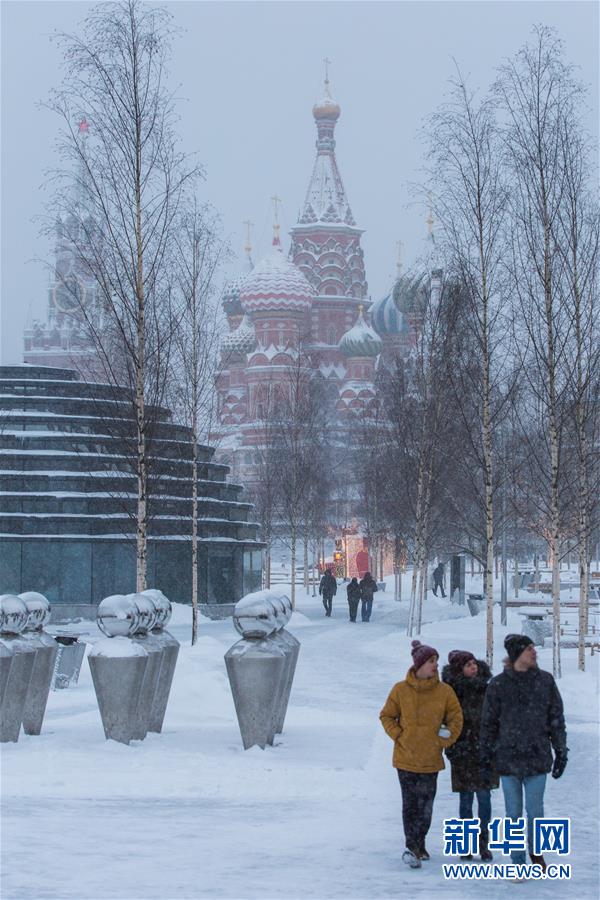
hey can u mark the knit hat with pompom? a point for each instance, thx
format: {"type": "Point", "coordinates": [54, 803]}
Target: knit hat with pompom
{"type": "Point", "coordinates": [421, 653]}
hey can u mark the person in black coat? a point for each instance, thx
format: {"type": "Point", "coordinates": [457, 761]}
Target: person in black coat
{"type": "Point", "coordinates": [367, 588]}
{"type": "Point", "coordinates": [469, 678]}
{"type": "Point", "coordinates": [328, 590]}
{"type": "Point", "coordinates": [438, 579]}
{"type": "Point", "coordinates": [522, 722]}
{"type": "Point", "coordinates": [353, 592]}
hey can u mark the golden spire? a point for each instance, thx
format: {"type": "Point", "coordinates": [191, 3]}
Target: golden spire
{"type": "Point", "coordinates": [248, 244]}
{"type": "Point", "coordinates": [400, 247]}
{"type": "Point", "coordinates": [327, 62]}
{"type": "Point", "coordinates": [276, 226]}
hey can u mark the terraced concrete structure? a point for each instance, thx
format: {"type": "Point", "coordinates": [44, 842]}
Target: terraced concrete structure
{"type": "Point", "coordinates": [68, 498]}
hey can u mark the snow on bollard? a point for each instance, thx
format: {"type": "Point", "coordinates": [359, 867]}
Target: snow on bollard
{"type": "Point", "coordinates": [118, 666]}
{"type": "Point", "coordinates": [13, 619]}
{"type": "Point", "coordinates": [46, 648]}
{"type": "Point", "coordinates": [170, 650]}
{"type": "Point", "coordinates": [258, 666]}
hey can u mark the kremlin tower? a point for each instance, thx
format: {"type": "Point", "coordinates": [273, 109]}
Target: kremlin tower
{"type": "Point", "coordinates": [74, 309]}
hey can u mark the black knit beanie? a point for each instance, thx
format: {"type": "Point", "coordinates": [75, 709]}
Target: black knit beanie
{"type": "Point", "coordinates": [514, 644]}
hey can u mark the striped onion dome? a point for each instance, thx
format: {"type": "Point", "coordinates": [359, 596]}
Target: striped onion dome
{"type": "Point", "coordinates": [360, 340]}
{"type": "Point", "coordinates": [386, 318]}
{"type": "Point", "coordinates": [231, 298]}
{"type": "Point", "coordinates": [241, 340]}
{"type": "Point", "coordinates": [275, 284]}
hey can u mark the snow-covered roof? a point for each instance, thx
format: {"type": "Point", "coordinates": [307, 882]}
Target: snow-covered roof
{"type": "Point", "coordinates": [326, 201]}
{"type": "Point", "coordinates": [360, 340]}
{"type": "Point", "coordinates": [275, 284]}
{"type": "Point", "coordinates": [241, 340]}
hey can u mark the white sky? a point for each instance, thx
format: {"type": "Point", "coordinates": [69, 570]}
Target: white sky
{"type": "Point", "coordinates": [249, 74]}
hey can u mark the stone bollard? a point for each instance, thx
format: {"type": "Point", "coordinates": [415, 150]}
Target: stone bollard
{"type": "Point", "coordinates": [258, 667]}
{"type": "Point", "coordinates": [170, 649]}
{"type": "Point", "coordinates": [68, 661]}
{"type": "Point", "coordinates": [13, 620]}
{"type": "Point", "coordinates": [144, 637]}
{"type": "Point", "coordinates": [46, 648]}
{"type": "Point", "coordinates": [118, 666]}
{"type": "Point", "coordinates": [292, 648]}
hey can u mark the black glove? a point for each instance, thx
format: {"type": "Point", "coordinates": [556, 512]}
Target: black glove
{"type": "Point", "coordinates": [485, 777]}
{"type": "Point", "coordinates": [560, 764]}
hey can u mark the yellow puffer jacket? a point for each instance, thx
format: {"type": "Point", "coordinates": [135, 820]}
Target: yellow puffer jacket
{"type": "Point", "coordinates": [412, 716]}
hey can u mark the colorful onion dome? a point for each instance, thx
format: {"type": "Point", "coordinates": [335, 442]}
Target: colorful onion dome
{"type": "Point", "coordinates": [241, 340]}
{"type": "Point", "coordinates": [276, 284]}
{"type": "Point", "coordinates": [231, 298]}
{"type": "Point", "coordinates": [386, 318]}
{"type": "Point", "coordinates": [409, 293]}
{"type": "Point", "coordinates": [360, 340]}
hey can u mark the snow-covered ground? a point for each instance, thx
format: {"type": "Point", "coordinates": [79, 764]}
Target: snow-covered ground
{"type": "Point", "coordinates": [189, 814]}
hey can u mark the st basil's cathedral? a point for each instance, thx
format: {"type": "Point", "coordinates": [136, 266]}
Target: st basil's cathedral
{"type": "Point", "coordinates": [314, 302]}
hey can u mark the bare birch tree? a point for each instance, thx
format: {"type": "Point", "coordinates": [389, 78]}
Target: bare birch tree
{"type": "Point", "coordinates": [470, 202]}
{"type": "Point", "coordinates": [198, 251]}
{"type": "Point", "coordinates": [132, 179]}
{"type": "Point", "coordinates": [579, 243]}
{"type": "Point", "coordinates": [537, 94]}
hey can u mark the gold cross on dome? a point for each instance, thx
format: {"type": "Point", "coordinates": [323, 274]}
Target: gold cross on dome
{"type": "Point", "coordinates": [400, 247]}
{"type": "Point", "coordinates": [249, 225]}
{"type": "Point", "coordinates": [327, 62]}
{"type": "Point", "coordinates": [276, 200]}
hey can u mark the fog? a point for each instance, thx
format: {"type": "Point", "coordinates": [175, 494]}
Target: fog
{"type": "Point", "coordinates": [248, 75]}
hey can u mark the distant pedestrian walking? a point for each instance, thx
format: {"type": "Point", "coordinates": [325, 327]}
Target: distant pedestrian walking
{"type": "Point", "coordinates": [328, 590]}
{"type": "Point", "coordinates": [413, 715]}
{"type": "Point", "coordinates": [521, 723]}
{"type": "Point", "coordinates": [353, 592]}
{"type": "Point", "coordinates": [469, 678]}
{"type": "Point", "coordinates": [438, 579]}
{"type": "Point", "coordinates": [367, 588]}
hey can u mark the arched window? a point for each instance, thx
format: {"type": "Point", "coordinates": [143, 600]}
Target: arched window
{"type": "Point", "coordinates": [331, 338]}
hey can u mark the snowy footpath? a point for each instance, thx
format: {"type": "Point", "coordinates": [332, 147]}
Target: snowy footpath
{"type": "Point", "coordinates": [189, 814]}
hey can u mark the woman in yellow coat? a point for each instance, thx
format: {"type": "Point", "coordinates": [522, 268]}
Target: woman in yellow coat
{"type": "Point", "coordinates": [413, 715]}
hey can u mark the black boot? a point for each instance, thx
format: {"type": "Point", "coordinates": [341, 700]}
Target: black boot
{"type": "Point", "coordinates": [422, 851]}
{"type": "Point", "coordinates": [485, 853]}
{"type": "Point", "coordinates": [538, 861]}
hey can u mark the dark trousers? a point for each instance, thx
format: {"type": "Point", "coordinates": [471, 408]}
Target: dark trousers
{"type": "Point", "coordinates": [484, 807]}
{"type": "Point", "coordinates": [327, 604]}
{"type": "Point", "coordinates": [418, 793]}
{"type": "Point", "coordinates": [436, 585]}
{"type": "Point", "coordinates": [353, 605]}
{"type": "Point", "coordinates": [365, 611]}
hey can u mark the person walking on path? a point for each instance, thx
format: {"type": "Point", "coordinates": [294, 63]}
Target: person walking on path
{"type": "Point", "coordinates": [469, 677]}
{"type": "Point", "coordinates": [328, 589]}
{"type": "Point", "coordinates": [438, 579]}
{"type": "Point", "coordinates": [414, 712]}
{"type": "Point", "coordinates": [522, 722]}
{"type": "Point", "coordinates": [353, 592]}
{"type": "Point", "coordinates": [368, 586]}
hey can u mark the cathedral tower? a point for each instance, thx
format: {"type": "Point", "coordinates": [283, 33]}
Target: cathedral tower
{"type": "Point", "coordinates": [326, 242]}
